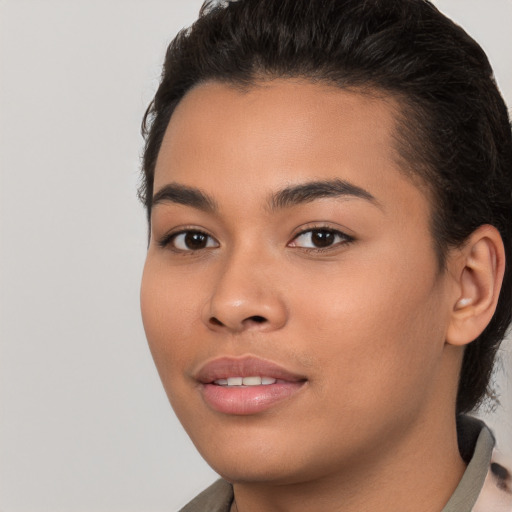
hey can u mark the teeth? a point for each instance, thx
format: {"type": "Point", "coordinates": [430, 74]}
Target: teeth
{"type": "Point", "coordinates": [245, 381]}
{"type": "Point", "coordinates": [251, 381]}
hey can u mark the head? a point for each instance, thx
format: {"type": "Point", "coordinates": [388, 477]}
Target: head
{"type": "Point", "coordinates": [328, 186]}
{"type": "Point", "coordinates": [452, 135]}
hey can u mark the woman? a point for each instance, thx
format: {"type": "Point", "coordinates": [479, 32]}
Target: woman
{"type": "Point", "coordinates": [328, 187]}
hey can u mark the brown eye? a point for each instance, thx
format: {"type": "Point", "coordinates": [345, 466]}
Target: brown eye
{"type": "Point", "coordinates": [320, 239]}
{"type": "Point", "coordinates": [192, 241]}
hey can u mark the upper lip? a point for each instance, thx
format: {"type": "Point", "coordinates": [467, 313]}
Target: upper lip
{"type": "Point", "coordinates": [247, 366]}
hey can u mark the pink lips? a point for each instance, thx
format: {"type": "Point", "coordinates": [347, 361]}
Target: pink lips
{"type": "Point", "coordinates": [246, 400]}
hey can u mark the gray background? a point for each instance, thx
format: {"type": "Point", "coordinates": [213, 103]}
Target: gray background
{"type": "Point", "coordinates": [84, 423]}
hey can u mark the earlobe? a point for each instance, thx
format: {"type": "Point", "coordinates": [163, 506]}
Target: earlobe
{"type": "Point", "coordinates": [480, 274]}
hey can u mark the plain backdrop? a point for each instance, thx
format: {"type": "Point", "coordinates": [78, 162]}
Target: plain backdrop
{"type": "Point", "coordinates": [84, 422]}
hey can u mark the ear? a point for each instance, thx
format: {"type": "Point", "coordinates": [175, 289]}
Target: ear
{"type": "Point", "coordinates": [479, 270]}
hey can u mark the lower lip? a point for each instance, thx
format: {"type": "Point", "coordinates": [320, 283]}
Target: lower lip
{"type": "Point", "coordinates": [246, 400]}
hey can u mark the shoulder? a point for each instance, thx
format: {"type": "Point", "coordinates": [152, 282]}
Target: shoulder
{"type": "Point", "coordinates": [496, 495]}
{"type": "Point", "coordinates": [216, 498]}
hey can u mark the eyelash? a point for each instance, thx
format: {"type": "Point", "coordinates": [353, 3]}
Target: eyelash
{"type": "Point", "coordinates": [169, 239]}
{"type": "Point", "coordinates": [345, 239]}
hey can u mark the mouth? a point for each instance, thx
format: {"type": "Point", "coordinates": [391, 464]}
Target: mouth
{"type": "Point", "coordinates": [245, 386]}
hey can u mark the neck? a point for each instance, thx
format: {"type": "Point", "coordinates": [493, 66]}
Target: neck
{"type": "Point", "coordinates": [419, 471]}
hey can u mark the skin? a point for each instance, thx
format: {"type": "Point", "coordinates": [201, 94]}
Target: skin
{"type": "Point", "coordinates": [370, 321]}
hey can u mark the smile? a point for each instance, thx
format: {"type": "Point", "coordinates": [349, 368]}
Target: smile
{"type": "Point", "coordinates": [247, 385]}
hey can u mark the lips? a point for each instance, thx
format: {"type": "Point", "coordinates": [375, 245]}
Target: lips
{"type": "Point", "coordinates": [245, 386]}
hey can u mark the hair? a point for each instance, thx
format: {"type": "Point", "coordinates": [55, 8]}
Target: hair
{"type": "Point", "coordinates": [453, 127]}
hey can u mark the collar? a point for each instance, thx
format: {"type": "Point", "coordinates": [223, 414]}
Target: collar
{"type": "Point", "coordinates": [476, 444]}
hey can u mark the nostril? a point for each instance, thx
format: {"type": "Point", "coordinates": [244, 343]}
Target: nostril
{"type": "Point", "coordinates": [215, 321]}
{"type": "Point", "coordinates": [258, 319]}
{"type": "Point", "coordinates": [255, 319]}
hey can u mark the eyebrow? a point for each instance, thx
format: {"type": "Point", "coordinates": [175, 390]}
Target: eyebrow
{"type": "Point", "coordinates": [187, 196]}
{"type": "Point", "coordinates": [308, 192]}
{"type": "Point", "coordinates": [285, 198]}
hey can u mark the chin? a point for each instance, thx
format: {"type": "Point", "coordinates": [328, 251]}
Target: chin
{"type": "Point", "coordinates": [263, 472]}
{"type": "Point", "coordinates": [267, 459]}
{"type": "Point", "coordinates": [247, 455]}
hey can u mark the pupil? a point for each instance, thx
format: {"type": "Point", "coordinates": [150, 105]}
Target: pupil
{"type": "Point", "coordinates": [322, 238]}
{"type": "Point", "coordinates": [195, 240]}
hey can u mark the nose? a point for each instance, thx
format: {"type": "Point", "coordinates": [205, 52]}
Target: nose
{"type": "Point", "coordinates": [244, 297]}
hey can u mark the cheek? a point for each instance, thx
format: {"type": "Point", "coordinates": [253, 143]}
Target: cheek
{"type": "Point", "coordinates": [169, 313]}
{"type": "Point", "coordinates": [374, 328]}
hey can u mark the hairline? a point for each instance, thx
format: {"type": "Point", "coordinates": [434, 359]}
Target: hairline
{"type": "Point", "coordinates": [403, 113]}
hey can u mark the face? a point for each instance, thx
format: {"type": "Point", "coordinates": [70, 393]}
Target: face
{"type": "Point", "coordinates": [291, 295]}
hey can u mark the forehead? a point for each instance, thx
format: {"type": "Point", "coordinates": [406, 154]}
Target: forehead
{"type": "Point", "coordinates": [278, 133]}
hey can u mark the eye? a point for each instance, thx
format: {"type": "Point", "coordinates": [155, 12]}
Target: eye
{"type": "Point", "coordinates": [320, 238]}
{"type": "Point", "coordinates": [187, 241]}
